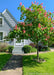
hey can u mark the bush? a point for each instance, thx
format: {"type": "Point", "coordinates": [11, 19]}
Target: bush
{"type": "Point", "coordinates": [10, 48]}
{"type": "Point", "coordinates": [3, 47]}
{"type": "Point", "coordinates": [27, 48]}
{"type": "Point", "coordinates": [45, 49]}
{"type": "Point", "coordinates": [33, 49]}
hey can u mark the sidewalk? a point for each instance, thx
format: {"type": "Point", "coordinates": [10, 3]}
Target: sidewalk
{"type": "Point", "coordinates": [13, 67]}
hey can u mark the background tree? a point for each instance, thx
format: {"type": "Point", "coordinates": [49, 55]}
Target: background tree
{"type": "Point", "coordinates": [37, 25]}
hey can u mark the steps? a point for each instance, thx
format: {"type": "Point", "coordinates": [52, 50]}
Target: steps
{"type": "Point", "coordinates": [17, 50]}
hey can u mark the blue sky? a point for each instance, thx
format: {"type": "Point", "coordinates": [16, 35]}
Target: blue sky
{"type": "Point", "coordinates": [12, 5]}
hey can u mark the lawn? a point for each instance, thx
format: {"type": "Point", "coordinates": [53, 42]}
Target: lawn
{"type": "Point", "coordinates": [4, 57]}
{"type": "Point", "coordinates": [31, 67]}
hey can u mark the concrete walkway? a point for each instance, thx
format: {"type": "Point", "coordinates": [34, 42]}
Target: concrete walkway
{"type": "Point", "coordinates": [13, 67]}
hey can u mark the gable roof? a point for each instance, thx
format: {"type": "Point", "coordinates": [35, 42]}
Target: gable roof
{"type": "Point", "coordinates": [5, 17]}
{"type": "Point", "coordinates": [11, 15]}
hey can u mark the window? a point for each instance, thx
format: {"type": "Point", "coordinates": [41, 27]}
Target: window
{"type": "Point", "coordinates": [0, 22]}
{"type": "Point", "coordinates": [1, 36]}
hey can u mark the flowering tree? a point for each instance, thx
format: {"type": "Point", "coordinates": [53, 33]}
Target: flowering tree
{"type": "Point", "coordinates": [37, 25]}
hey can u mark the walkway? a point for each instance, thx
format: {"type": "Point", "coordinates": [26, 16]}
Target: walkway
{"type": "Point", "coordinates": [14, 66]}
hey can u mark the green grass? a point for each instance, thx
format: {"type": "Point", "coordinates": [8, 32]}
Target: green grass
{"type": "Point", "coordinates": [31, 67]}
{"type": "Point", "coordinates": [4, 57]}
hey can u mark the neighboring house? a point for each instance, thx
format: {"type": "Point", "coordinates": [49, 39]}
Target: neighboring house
{"type": "Point", "coordinates": [7, 22]}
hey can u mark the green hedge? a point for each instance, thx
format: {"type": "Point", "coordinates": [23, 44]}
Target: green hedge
{"type": "Point", "coordinates": [29, 49]}
{"type": "Point", "coordinates": [45, 49]}
{"type": "Point", "coordinates": [10, 48]}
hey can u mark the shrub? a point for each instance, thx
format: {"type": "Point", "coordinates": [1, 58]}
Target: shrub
{"type": "Point", "coordinates": [3, 47]}
{"type": "Point", "coordinates": [10, 48]}
{"type": "Point", "coordinates": [32, 44]}
{"type": "Point", "coordinates": [45, 49]}
{"type": "Point", "coordinates": [33, 49]}
{"type": "Point", "coordinates": [27, 48]}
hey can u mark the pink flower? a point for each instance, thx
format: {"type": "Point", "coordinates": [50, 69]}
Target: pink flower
{"type": "Point", "coordinates": [51, 28]}
{"type": "Point", "coordinates": [23, 23]}
{"type": "Point", "coordinates": [45, 13]}
{"type": "Point", "coordinates": [46, 39]}
{"type": "Point", "coordinates": [24, 31]}
{"type": "Point", "coordinates": [45, 34]}
{"type": "Point", "coordinates": [48, 15]}
{"type": "Point", "coordinates": [20, 3]}
{"type": "Point", "coordinates": [42, 6]}
{"type": "Point", "coordinates": [49, 18]}
{"type": "Point", "coordinates": [39, 12]}
{"type": "Point", "coordinates": [30, 24]}
{"type": "Point", "coordinates": [19, 28]}
{"type": "Point", "coordinates": [39, 25]}
{"type": "Point", "coordinates": [53, 12]}
{"type": "Point", "coordinates": [35, 2]}
{"type": "Point", "coordinates": [32, 3]}
{"type": "Point", "coordinates": [41, 3]}
{"type": "Point", "coordinates": [29, 9]}
{"type": "Point", "coordinates": [37, 9]}
{"type": "Point", "coordinates": [44, 28]}
{"type": "Point", "coordinates": [16, 27]}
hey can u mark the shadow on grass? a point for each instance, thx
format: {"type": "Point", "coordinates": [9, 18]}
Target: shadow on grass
{"type": "Point", "coordinates": [3, 59]}
{"type": "Point", "coordinates": [27, 61]}
{"type": "Point", "coordinates": [13, 63]}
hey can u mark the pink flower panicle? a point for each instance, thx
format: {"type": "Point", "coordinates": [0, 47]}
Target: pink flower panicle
{"type": "Point", "coordinates": [49, 18]}
{"type": "Point", "coordinates": [20, 3]}
{"type": "Point", "coordinates": [19, 28]}
{"type": "Point", "coordinates": [24, 31]}
{"type": "Point", "coordinates": [46, 39]}
{"type": "Point", "coordinates": [44, 28]}
{"type": "Point", "coordinates": [37, 9]}
{"type": "Point", "coordinates": [51, 28]}
{"type": "Point", "coordinates": [35, 2]}
{"type": "Point", "coordinates": [32, 3]}
{"type": "Point", "coordinates": [29, 9]}
{"type": "Point", "coordinates": [16, 27]}
{"type": "Point", "coordinates": [40, 12]}
{"type": "Point", "coordinates": [41, 3]}
{"type": "Point", "coordinates": [39, 25]}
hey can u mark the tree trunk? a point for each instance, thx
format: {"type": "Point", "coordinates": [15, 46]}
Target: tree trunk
{"type": "Point", "coordinates": [37, 52]}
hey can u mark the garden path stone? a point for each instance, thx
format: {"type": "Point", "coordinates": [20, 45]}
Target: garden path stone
{"type": "Point", "coordinates": [13, 66]}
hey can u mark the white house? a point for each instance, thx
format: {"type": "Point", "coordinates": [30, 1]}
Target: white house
{"type": "Point", "coordinates": [7, 22]}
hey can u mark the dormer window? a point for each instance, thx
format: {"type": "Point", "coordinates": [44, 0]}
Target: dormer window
{"type": "Point", "coordinates": [0, 22]}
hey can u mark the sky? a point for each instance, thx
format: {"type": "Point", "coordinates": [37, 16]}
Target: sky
{"type": "Point", "coordinates": [12, 5]}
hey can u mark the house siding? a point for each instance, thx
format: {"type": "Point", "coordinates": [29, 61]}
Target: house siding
{"type": "Point", "coordinates": [9, 18]}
